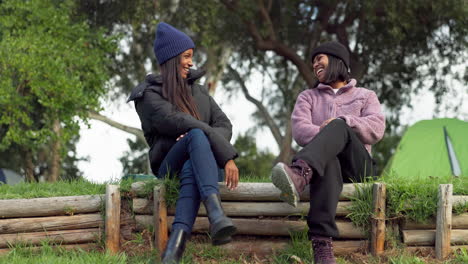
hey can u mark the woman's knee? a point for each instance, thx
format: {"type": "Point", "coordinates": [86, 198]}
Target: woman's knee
{"type": "Point", "coordinates": [337, 124]}
{"type": "Point", "coordinates": [197, 134]}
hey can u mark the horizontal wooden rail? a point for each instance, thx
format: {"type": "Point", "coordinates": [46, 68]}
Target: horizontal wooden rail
{"type": "Point", "coordinates": [63, 237]}
{"type": "Point", "coordinates": [267, 247]}
{"type": "Point", "coordinates": [51, 223]}
{"type": "Point", "coordinates": [459, 199]}
{"type": "Point", "coordinates": [257, 191]}
{"type": "Point", "coordinates": [260, 227]}
{"type": "Point", "coordinates": [65, 205]}
{"type": "Point", "coordinates": [427, 237]}
{"type": "Point", "coordinates": [458, 222]}
{"type": "Point", "coordinates": [254, 209]}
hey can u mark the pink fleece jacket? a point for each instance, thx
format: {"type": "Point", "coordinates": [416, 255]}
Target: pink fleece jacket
{"type": "Point", "coordinates": [359, 107]}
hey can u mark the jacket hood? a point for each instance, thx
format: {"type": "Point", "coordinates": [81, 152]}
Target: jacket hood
{"type": "Point", "coordinates": [156, 81]}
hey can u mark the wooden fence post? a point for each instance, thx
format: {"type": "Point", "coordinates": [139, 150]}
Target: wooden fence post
{"type": "Point", "coordinates": [160, 218]}
{"type": "Point", "coordinates": [112, 218]}
{"type": "Point", "coordinates": [444, 221]}
{"type": "Point", "coordinates": [378, 220]}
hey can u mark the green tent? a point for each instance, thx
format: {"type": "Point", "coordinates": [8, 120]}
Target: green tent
{"type": "Point", "coordinates": [437, 147]}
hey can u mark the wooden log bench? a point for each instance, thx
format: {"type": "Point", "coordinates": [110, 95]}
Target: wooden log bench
{"type": "Point", "coordinates": [256, 210]}
{"type": "Point", "coordinates": [69, 221]}
{"type": "Point", "coordinates": [442, 235]}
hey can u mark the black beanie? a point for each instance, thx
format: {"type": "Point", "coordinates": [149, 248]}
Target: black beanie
{"type": "Point", "coordinates": [333, 48]}
{"type": "Point", "coordinates": [170, 42]}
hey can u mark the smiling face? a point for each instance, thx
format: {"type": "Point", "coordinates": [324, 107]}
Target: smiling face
{"type": "Point", "coordinates": [186, 62]}
{"type": "Point", "coordinates": [319, 65]}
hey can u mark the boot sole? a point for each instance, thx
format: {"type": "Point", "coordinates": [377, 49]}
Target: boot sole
{"type": "Point", "coordinates": [281, 180]}
{"type": "Point", "coordinates": [227, 240]}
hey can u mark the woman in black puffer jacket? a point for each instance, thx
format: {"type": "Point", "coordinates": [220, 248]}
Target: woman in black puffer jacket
{"type": "Point", "coordinates": [189, 137]}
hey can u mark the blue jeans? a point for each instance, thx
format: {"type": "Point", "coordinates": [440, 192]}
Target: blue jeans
{"type": "Point", "coordinates": [193, 161]}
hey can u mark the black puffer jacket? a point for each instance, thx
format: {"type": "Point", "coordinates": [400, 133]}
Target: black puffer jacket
{"type": "Point", "coordinates": [162, 123]}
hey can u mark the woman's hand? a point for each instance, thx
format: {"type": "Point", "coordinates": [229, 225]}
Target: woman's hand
{"type": "Point", "coordinates": [181, 136]}
{"type": "Point", "coordinates": [231, 174]}
{"type": "Point", "coordinates": [326, 122]}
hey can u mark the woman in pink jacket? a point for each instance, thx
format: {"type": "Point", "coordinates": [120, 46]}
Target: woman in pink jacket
{"type": "Point", "coordinates": [336, 123]}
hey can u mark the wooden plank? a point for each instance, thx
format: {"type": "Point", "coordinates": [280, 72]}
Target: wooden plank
{"type": "Point", "coordinates": [275, 227]}
{"type": "Point", "coordinates": [144, 222]}
{"type": "Point", "coordinates": [459, 199]}
{"type": "Point", "coordinates": [66, 205]}
{"type": "Point", "coordinates": [263, 247]}
{"type": "Point", "coordinates": [427, 237]}
{"type": "Point", "coordinates": [112, 218]}
{"type": "Point", "coordinates": [378, 220]}
{"type": "Point", "coordinates": [85, 247]}
{"type": "Point", "coordinates": [444, 221]}
{"type": "Point", "coordinates": [258, 191]}
{"type": "Point", "coordinates": [51, 223]}
{"type": "Point", "coordinates": [160, 218]}
{"type": "Point", "coordinates": [249, 226]}
{"type": "Point", "coordinates": [63, 236]}
{"type": "Point", "coordinates": [458, 222]}
{"type": "Point", "coordinates": [145, 206]}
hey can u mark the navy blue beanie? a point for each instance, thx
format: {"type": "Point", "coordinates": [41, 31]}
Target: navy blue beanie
{"type": "Point", "coordinates": [170, 42]}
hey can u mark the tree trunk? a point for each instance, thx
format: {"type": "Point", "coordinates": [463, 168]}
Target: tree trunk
{"type": "Point", "coordinates": [286, 150]}
{"type": "Point", "coordinates": [28, 166]}
{"type": "Point", "coordinates": [55, 160]}
{"type": "Point", "coordinates": [216, 63]}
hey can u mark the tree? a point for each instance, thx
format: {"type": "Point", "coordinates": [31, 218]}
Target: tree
{"type": "Point", "coordinates": [251, 161]}
{"type": "Point", "coordinates": [396, 47]}
{"type": "Point", "coordinates": [135, 161]}
{"type": "Point", "coordinates": [54, 71]}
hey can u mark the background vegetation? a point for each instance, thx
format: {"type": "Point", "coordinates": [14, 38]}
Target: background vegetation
{"type": "Point", "coordinates": [61, 59]}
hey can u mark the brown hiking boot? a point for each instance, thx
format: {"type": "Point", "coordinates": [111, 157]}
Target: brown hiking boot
{"type": "Point", "coordinates": [291, 180]}
{"type": "Point", "coordinates": [323, 250]}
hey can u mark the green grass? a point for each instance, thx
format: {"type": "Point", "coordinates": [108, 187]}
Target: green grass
{"type": "Point", "coordinates": [461, 256]}
{"type": "Point", "coordinates": [417, 199]}
{"type": "Point", "coordinates": [414, 200]}
{"type": "Point", "coordinates": [299, 247]}
{"type": "Point", "coordinates": [50, 255]}
{"type": "Point", "coordinates": [48, 189]}
{"type": "Point", "coordinates": [361, 206]}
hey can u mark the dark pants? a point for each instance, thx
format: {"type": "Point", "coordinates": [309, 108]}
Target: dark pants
{"type": "Point", "coordinates": [336, 155]}
{"type": "Point", "coordinates": [193, 161]}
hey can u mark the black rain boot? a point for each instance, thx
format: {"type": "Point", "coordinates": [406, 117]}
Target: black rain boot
{"type": "Point", "coordinates": [221, 226]}
{"type": "Point", "coordinates": [175, 247]}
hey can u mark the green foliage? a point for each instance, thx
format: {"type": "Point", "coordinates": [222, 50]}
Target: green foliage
{"type": "Point", "coordinates": [54, 70]}
{"type": "Point", "coordinates": [46, 189]}
{"type": "Point", "coordinates": [414, 200]}
{"type": "Point", "coordinates": [135, 161]}
{"type": "Point", "coordinates": [300, 247]}
{"type": "Point", "coordinates": [172, 190]}
{"type": "Point", "coordinates": [56, 255]}
{"type": "Point", "coordinates": [461, 256]}
{"type": "Point", "coordinates": [361, 207]}
{"type": "Point", "coordinates": [252, 163]}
